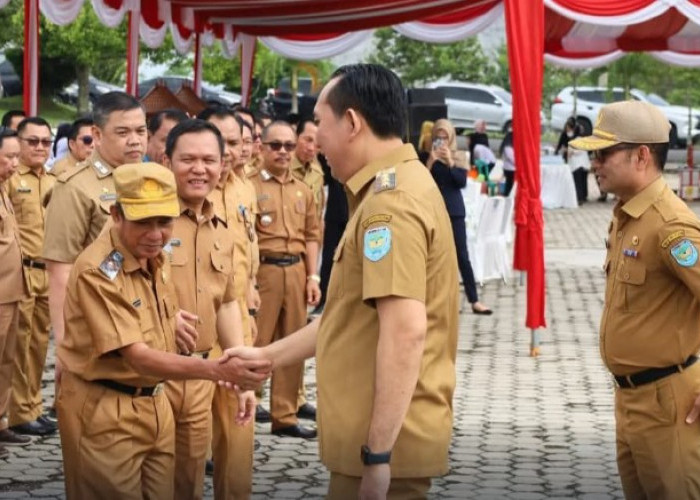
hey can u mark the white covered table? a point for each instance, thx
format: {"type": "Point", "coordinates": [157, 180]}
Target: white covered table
{"type": "Point", "coordinates": [558, 190]}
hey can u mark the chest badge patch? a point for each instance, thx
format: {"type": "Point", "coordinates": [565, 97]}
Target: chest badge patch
{"type": "Point", "coordinates": [685, 253]}
{"type": "Point", "coordinates": [377, 243]}
{"type": "Point", "coordinates": [112, 264]}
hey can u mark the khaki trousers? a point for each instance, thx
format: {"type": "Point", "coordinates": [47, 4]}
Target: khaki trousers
{"type": "Point", "coordinates": [344, 487]}
{"type": "Point", "coordinates": [191, 403]}
{"type": "Point", "coordinates": [114, 445]}
{"type": "Point", "coordinates": [232, 445]}
{"type": "Point", "coordinates": [658, 454]}
{"type": "Point", "coordinates": [9, 317]}
{"type": "Point", "coordinates": [32, 345]}
{"type": "Point", "coordinates": [282, 312]}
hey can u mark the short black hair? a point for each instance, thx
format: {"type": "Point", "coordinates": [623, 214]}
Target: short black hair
{"type": "Point", "coordinates": [373, 91]}
{"type": "Point", "coordinates": [6, 132]}
{"type": "Point", "coordinates": [32, 120]}
{"type": "Point", "coordinates": [77, 125]}
{"type": "Point", "coordinates": [245, 123]}
{"type": "Point", "coordinates": [276, 123]}
{"type": "Point", "coordinates": [659, 152]}
{"type": "Point", "coordinates": [220, 112]}
{"type": "Point", "coordinates": [302, 125]}
{"type": "Point", "coordinates": [191, 126]}
{"type": "Point", "coordinates": [108, 103]}
{"type": "Point", "coordinates": [9, 115]}
{"type": "Point", "coordinates": [172, 114]}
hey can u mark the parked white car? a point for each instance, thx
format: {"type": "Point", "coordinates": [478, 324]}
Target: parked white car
{"type": "Point", "coordinates": [589, 100]}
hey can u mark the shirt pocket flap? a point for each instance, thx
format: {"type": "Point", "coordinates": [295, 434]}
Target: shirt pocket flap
{"type": "Point", "coordinates": [339, 250]}
{"type": "Point", "coordinates": [632, 275]}
{"type": "Point", "coordinates": [178, 257]}
{"type": "Point", "coordinates": [221, 262]}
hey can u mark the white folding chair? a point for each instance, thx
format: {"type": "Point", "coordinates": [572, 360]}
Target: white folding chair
{"type": "Point", "coordinates": [491, 260]}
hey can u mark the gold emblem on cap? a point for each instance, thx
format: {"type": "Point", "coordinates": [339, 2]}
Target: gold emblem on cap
{"type": "Point", "coordinates": [151, 188]}
{"type": "Point", "coordinates": [635, 240]}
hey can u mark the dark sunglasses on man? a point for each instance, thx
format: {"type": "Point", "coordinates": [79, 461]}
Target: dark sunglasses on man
{"type": "Point", "coordinates": [86, 139]}
{"type": "Point", "coordinates": [35, 141]}
{"type": "Point", "coordinates": [277, 146]}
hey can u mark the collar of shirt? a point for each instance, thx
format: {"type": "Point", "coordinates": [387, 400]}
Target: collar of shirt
{"type": "Point", "coordinates": [130, 263]}
{"type": "Point", "coordinates": [24, 170]}
{"type": "Point", "coordinates": [268, 176]}
{"type": "Point", "coordinates": [399, 155]}
{"type": "Point", "coordinates": [208, 212]}
{"type": "Point", "coordinates": [645, 198]}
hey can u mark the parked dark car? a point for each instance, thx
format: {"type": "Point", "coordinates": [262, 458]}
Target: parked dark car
{"type": "Point", "coordinates": [10, 82]}
{"type": "Point", "coordinates": [69, 95]}
{"type": "Point", "coordinates": [210, 93]}
{"type": "Point", "coordinates": [278, 101]}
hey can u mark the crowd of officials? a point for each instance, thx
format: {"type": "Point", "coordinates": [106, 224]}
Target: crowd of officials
{"type": "Point", "coordinates": [175, 262]}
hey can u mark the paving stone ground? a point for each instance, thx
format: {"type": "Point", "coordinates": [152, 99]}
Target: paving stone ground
{"type": "Point", "coordinates": [525, 428]}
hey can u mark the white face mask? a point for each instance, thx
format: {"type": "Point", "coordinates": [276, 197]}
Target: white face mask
{"type": "Point", "coordinates": [569, 133]}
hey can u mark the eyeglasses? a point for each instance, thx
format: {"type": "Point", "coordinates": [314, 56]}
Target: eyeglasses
{"type": "Point", "coordinates": [86, 139]}
{"type": "Point", "coordinates": [601, 155]}
{"type": "Point", "coordinates": [35, 141]}
{"type": "Point", "coordinates": [257, 137]}
{"type": "Point", "coordinates": [277, 146]}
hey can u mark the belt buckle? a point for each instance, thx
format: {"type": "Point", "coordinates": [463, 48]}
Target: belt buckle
{"type": "Point", "coordinates": [158, 389]}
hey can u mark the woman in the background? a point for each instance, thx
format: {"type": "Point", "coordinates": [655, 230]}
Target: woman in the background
{"type": "Point", "coordinates": [578, 160]}
{"type": "Point", "coordinates": [449, 169]}
{"type": "Point", "coordinates": [425, 141]}
{"type": "Point", "coordinates": [508, 156]}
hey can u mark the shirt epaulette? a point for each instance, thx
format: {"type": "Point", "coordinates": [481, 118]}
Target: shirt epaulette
{"type": "Point", "coordinates": [665, 209]}
{"type": "Point", "coordinates": [72, 171]}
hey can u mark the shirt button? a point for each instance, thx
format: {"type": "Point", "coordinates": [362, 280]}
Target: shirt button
{"type": "Point", "coordinates": [199, 290]}
{"type": "Point", "coordinates": [627, 276]}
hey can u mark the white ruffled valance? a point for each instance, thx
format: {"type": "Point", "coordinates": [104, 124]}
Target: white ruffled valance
{"type": "Point", "coordinates": [677, 59]}
{"type": "Point", "coordinates": [314, 50]}
{"type": "Point", "coordinates": [448, 33]}
{"type": "Point", "coordinates": [654, 9]}
{"type": "Point", "coordinates": [583, 63]}
{"type": "Point", "coordinates": [59, 12]}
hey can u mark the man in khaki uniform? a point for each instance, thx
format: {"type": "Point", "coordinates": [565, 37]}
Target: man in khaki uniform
{"type": "Point", "coordinates": [650, 327]}
{"type": "Point", "coordinates": [80, 146]}
{"type": "Point", "coordinates": [28, 188]}
{"type": "Point", "coordinates": [12, 287]}
{"type": "Point", "coordinates": [80, 201]}
{"type": "Point", "coordinates": [202, 260]}
{"type": "Point", "coordinates": [159, 126]}
{"type": "Point", "coordinates": [117, 435]}
{"type": "Point", "coordinates": [288, 235]}
{"type": "Point", "coordinates": [386, 342]}
{"type": "Point", "coordinates": [234, 201]}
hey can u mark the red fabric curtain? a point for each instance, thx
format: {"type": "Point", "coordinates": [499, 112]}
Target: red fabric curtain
{"type": "Point", "coordinates": [604, 7]}
{"type": "Point", "coordinates": [525, 36]}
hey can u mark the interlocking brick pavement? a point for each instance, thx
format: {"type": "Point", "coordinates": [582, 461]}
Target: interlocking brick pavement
{"type": "Point", "coordinates": [525, 428]}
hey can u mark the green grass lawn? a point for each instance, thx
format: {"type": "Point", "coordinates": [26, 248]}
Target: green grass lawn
{"type": "Point", "coordinates": [52, 111]}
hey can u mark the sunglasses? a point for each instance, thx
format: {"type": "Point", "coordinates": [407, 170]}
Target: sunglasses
{"type": "Point", "coordinates": [35, 141]}
{"type": "Point", "coordinates": [601, 155]}
{"type": "Point", "coordinates": [86, 139]}
{"type": "Point", "coordinates": [277, 146]}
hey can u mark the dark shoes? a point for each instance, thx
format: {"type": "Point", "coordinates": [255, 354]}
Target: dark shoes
{"type": "Point", "coordinates": [307, 411]}
{"type": "Point", "coordinates": [209, 468]}
{"type": "Point", "coordinates": [479, 308]}
{"type": "Point", "coordinates": [296, 431]}
{"type": "Point", "coordinates": [262, 416]}
{"type": "Point", "coordinates": [10, 438]}
{"type": "Point", "coordinates": [39, 427]}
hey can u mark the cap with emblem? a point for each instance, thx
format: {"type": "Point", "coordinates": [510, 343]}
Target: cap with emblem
{"type": "Point", "coordinates": [633, 122]}
{"type": "Point", "coordinates": [146, 190]}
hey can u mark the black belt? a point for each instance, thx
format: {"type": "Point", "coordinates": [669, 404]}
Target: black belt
{"type": "Point", "coordinates": [652, 374]}
{"type": "Point", "coordinates": [283, 261]}
{"type": "Point", "coordinates": [130, 389]}
{"type": "Point", "coordinates": [36, 264]}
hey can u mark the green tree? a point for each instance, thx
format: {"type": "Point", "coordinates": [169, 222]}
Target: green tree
{"type": "Point", "coordinates": [420, 62]}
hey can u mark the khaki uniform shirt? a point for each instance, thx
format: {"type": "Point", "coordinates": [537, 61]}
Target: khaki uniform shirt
{"type": "Point", "coordinates": [111, 305]}
{"type": "Point", "coordinates": [651, 315]}
{"type": "Point", "coordinates": [253, 166]}
{"type": "Point", "coordinates": [78, 209]}
{"type": "Point", "coordinates": [398, 242]}
{"type": "Point", "coordinates": [311, 174]}
{"type": "Point", "coordinates": [236, 203]}
{"type": "Point", "coordinates": [27, 190]}
{"type": "Point", "coordinates": [287, 214]}
{"type": "Point", "coordinates": [12, 286]}
{"type": "Point", "coordinates": [65, 163]}
{"type": "Point", "coordinates": [201, 254]}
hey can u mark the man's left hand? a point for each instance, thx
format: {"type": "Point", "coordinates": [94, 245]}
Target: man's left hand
{"type": "Point", "coordinates": [246, 407]}
{"type": "Point", "coordinates": [313, 292]}
{"type": "Point", "coordinates": [375, 482]}
{"type": "Point", "coordinates": [694, 411]}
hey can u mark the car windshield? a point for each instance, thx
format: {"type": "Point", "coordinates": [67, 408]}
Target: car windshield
{"type": "Point", "coordinates": [506, 96]}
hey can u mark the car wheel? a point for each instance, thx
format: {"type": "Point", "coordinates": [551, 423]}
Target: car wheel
{"type": "Point", "coordinates": [585, 124]}
{"type": "Point", "coordinates": [673, 137]}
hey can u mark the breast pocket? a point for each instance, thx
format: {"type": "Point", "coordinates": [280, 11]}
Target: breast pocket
{"type": "Point", "coordinates": [632, 279]}
{"type": "Point", "coordinates": [221, 262]}
{"type": "Point", "coordinates": [178, 257]}
{"type": "Point", "coordinates": [147, 323]}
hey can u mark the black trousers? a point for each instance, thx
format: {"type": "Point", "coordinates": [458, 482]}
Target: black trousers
{"type": "Point", "coordinates": [510, 180]}
{"type": "Point", "coordinates": [581, 184]}
{"type": "Point", "coordinates": [331, 236]}
{"type": "Point", "coordinates": [459, 231]}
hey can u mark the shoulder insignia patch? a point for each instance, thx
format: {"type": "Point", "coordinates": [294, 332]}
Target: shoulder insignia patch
{"type": "Point", "coordinates": [385, 180]}
{"type": "Point", "coordinates": [112, 264]}
{"type": "Point", "coordinates": [377, 243]}
{"type": "Point", "coordinates": [375, 218]}
{"type": "Point", "coordinates": [100, 168]}
{"type": "Point", "coordinates": [671, 238]}
{"type": "Point", "coordinates": [265, 175]}
{"type": "Point", "coordinates": [685, 253]}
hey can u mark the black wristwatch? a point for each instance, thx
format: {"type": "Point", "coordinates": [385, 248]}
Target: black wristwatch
{"type": "Point", "coordinates": [370, 458]}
